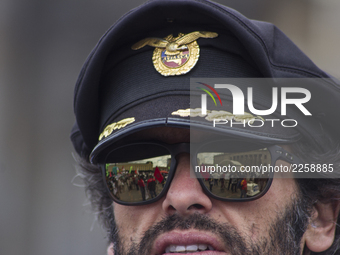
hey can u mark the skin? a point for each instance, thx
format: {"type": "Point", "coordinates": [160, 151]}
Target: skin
{"type": "Point", "coordinates": [251, 219]}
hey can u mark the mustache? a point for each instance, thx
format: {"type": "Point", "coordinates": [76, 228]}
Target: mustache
{"type": "Point", "coordinates": [231, 238]}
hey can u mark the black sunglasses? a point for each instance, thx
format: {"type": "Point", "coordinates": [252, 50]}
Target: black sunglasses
{"type": "Point", "coordinates": [228, 170]}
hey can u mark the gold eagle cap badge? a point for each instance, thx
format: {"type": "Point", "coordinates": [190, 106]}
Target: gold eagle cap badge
{"type": "Point", "coordinates": [175, 55]}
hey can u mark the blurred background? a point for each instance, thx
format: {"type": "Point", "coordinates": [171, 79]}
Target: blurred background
{"type": "Point", "coordinates": [43, 46]}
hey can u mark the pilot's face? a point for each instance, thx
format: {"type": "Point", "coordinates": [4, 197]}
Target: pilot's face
{"type": "Point", "coordinates": [186, 220]}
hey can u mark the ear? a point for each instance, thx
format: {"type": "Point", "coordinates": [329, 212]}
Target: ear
{"type": "Point", "coordinates": [321, 229]}
{"type": "Point", "coordinates": [110, 249]}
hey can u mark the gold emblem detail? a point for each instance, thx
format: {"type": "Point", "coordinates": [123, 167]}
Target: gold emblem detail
{"type": "Point", "coordinates": [175, 55]}
{"type": "Point", "coordinates": [116, 125]}
{"type": "Point", "coordinates": [217, 115]}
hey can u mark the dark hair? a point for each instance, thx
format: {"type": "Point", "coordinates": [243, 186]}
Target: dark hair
{"type": "Point", "coordinates": [325, 190]}
{"type": "Point", "coordinates": [96, 192]}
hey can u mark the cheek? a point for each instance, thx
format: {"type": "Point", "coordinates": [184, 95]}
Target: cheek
{"type": "Point", "coordinates": [133, 221]}
{"type": "Point", "coordinates": [282, 191]}
{"type": "Point", "coordinates": [276, 200]}
{"type": "Point", "coordinates": [253, 219]}
{"type": "Point", "coordinates": [125, 218]}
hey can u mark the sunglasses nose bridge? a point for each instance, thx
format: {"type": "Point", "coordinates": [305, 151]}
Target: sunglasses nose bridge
{"type": "Point", "coordinates": [181, 148]}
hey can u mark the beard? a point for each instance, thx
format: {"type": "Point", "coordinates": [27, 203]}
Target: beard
{"type": "Point", "coordinates": [284, 234]}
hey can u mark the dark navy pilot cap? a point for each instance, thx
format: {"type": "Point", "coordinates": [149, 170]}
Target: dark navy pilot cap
{"type": "Point", "coordinates": [119, 85]}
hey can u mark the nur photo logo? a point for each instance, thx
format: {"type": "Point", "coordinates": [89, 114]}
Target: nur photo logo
{"type": "Point", "coordinates": [278, 101]}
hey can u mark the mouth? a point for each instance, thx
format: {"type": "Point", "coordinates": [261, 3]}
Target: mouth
{"type": "Point", "coordinates": [191, 248]}
{"type": "Point", "coordinates": [191, 242]}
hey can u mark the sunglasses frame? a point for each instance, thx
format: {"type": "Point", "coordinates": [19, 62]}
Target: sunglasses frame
{"type": "Point", "coordinates": [276, 152]}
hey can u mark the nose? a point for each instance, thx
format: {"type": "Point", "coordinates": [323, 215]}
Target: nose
{"type": "Point", "coordinates": [185, 195]}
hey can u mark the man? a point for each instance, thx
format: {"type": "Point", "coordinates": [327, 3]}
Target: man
{"type": "Point", "coordinates": [244, 188]}
{"type": "Point", "coordinates": [134, 105]}
{"type": "Point", "coordinates": [152, 186]}
{"type": "Point", "coordinates": [211, 183]}
{"type": "Point", "coordinates": [141, 185]}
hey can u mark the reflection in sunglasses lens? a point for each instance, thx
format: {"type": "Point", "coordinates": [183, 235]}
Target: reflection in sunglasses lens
{"type": "Point", "coordinates": [139, 172]}
{"type": "Point", "coordinates": [234, 175]}
{"type": "Point", "coordinates": [140, 179]}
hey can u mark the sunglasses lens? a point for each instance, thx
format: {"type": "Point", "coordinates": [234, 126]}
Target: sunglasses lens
{"type": "Point", "coordinates": [234, 175]}
{"type": "Point", "coordinates": [137, 173]}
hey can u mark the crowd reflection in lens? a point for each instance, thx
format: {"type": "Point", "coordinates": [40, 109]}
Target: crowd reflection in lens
{"type": "Point", "coordinates": [135, 185]}
{"type": "Point", "coordinates": [137, 181]}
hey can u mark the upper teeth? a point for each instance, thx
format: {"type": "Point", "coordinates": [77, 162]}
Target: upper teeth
{"type": "Point", "coordinates": [188, 248]}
